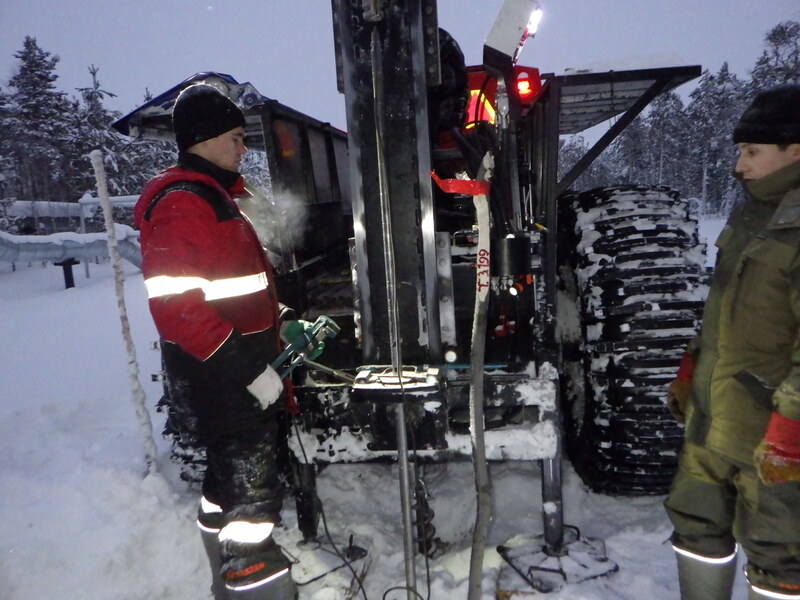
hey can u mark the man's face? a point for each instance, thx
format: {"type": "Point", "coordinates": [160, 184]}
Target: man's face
{"type": "Point", "coordinates": [225, 150]}
{"type": "Point", "coordinates": [759, 160]}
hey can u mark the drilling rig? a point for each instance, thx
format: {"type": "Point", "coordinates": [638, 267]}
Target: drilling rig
{"type": "Point", "coordinates": [484, 309]}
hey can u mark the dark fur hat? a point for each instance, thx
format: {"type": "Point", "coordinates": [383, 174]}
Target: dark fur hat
{"type": "Point", "coordinates": [202, 112]}
{"type": "Point", "coordinates": [772, 118]}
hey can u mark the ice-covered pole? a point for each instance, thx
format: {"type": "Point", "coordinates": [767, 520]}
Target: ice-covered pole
{"type": "Point", "coordinates": [138, 395]}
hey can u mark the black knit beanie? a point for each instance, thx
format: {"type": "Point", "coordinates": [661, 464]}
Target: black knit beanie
{"type": "Point", "coordinates": [202, 112]}
{"type": "Point", "coordinates": [772, 118]}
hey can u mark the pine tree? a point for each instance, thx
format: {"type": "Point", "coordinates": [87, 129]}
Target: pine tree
{"type": "Point", "coordinates": [666, 129]}
{"type": "Point", "coordinates": [630, 156]}
{"type": "Point", "coordinates": [36, 128]}
{"type": "Point", "coordinates": [93, 131]}
{"type": "Point", "coordinates": [139, 160]}
{"type": "Point", "coordinates": [780, 61]}
{"type": "Point", "coordinates": [715, 107]}
{"type": "Point", "coordinates": [6, 164]}
{"type": "Point", "coordinates": [597, 174]}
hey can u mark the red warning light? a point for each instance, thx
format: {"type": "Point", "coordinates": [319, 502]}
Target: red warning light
{"type": "Point", "coordinates": [528, 84]}
{"type": "Point", "coordinates": [524, 88]}
{"type": "Point", "coordinates": [482, 87]}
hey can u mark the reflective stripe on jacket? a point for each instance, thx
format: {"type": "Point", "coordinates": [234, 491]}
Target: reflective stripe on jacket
{"type": "Point", "coordinates": [205, 270]}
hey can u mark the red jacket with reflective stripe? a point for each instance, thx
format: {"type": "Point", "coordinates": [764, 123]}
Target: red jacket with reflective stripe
{"type": "Point", "coordinates": [187, 243]}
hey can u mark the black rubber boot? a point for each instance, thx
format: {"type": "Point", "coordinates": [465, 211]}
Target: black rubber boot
{"type": "Point", "coordinates": [209, 524]}
{"type": "Point", "coordinates": [280, 588]}
{"type": "Point", "coordinates": [251, 569]}
{"type": "Point", "coordinates": [704, 578]}
{"type": "Point", "coordinates": [211, 544]}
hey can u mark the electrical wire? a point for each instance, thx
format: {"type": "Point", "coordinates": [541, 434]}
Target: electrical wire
{"type": "Point", "coordinates": [318, 506]}
{"type": "Point", "coordinates": [403, 588]}
{"type": "Point", "coordinates": [336, 551]}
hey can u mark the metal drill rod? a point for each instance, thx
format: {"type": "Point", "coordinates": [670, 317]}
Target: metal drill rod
{"type": "Point", "coordinates": [394, 337]}
{"type": "Point", "coordinates": [346, 377]}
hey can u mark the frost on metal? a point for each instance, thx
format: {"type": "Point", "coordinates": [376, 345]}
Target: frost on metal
{"type": "Point", "coordinates": [530, 439]}
{"type": "Point", "coordinates": [523, 442]}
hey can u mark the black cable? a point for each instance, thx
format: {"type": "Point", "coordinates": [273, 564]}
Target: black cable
{"type": "Point", "coordinates": [471, 154]}
{"type": "Point", "coordinates": [478, 105]}
{"type": "Point", "coordinates": [342, 557]}
{"type": "Point", "coordinates": [337, 551]}
{"type": "Point", "coordinates": [318, 506]}
{"type": "Point", "coordinates": [402, 587]}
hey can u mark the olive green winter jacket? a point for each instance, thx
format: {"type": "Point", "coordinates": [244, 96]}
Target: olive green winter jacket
{"type": "Point", "coordinates": [749, 359]}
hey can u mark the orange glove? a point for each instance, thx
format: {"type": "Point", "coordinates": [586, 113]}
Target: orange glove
{"type": "Point", "coordinates": [777, 457]}
{"type": "Point", "coordinates": [680, 388]}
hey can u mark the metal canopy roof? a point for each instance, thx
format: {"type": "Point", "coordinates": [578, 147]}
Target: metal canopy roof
{"type": "Point", "coordinates": [588, 99]}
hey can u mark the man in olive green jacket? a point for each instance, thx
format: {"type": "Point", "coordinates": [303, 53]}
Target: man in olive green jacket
{"type": "Point", "coordinates": [738, 387]}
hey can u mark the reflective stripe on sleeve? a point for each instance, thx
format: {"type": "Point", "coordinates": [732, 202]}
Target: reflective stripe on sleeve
{"type": "Point", "coordinates": [231, 287]}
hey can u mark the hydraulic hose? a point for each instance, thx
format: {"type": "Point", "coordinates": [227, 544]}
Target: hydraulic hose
{"type": "Point", "coordinates": [477, 358]}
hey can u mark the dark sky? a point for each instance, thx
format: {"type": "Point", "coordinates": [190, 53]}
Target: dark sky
{"type": "Point", "coordinates": [285, 47]}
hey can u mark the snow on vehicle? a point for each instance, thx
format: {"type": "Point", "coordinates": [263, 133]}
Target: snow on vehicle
{"type": "Point", "coordinates": [457, 339]}
{"type": "Point", "coordinates": [633, 267]}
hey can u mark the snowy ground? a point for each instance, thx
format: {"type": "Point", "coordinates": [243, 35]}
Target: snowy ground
{"type": "Point", "coordinates": [80, 520]}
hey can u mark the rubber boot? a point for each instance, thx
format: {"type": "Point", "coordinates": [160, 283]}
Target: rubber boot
{"type": "Point", "coordinates": [282, 587]}
{"type": "Point", "coordinates": [209, 521]}
{"type": "Point", "coordinates": [703, 578]}
{"type": "Point", "coordinates": [211, 544]}
{"type": "Point", "coordinates": [754, 593]}
{"type": "Point", "coordinates": [253, 566]}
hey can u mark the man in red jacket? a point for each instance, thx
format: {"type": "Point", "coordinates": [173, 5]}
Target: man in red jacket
{"type": "Point", "coordinates": [212, 297]}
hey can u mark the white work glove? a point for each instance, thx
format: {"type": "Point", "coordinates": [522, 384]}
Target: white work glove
{"type": "Point", "coordinates": [267, 387]}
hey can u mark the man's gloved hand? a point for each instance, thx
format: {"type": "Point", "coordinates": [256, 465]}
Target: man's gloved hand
{"type": "Point", "coordinates": [680, 388]}
{"type": "Point", "coordinates": [267, 387]}
{"type": "Point", "coordinates": [777, 457]}
{"type": "Point", "coordinates": [292, 330]}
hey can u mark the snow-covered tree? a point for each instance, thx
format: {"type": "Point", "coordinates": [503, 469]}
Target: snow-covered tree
{"type": "Point", "coordinates": [715, 107]}
{"type": "Point", "coordinates": [597, 174]}
{"type": "Point", "coordinates": [667, 126]}
{"type": "Point", "coordinates": [780, 61]}
{"type": "Point", "coordinates": [137, 160]}
{"type": "Point", "coordinates": [255, 170]}
{"type": "Point", "coordinates": [36, 127]}
{"type": "Point", "coordinates": [92, 131]}
{"type": "Point", "coordinates": [6, 164]}
{"type": "Point", "coordinates": [629, 155]}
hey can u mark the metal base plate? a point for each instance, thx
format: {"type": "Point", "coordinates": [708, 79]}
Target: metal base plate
{"type": "Point", "coordinates": [544, 570]}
